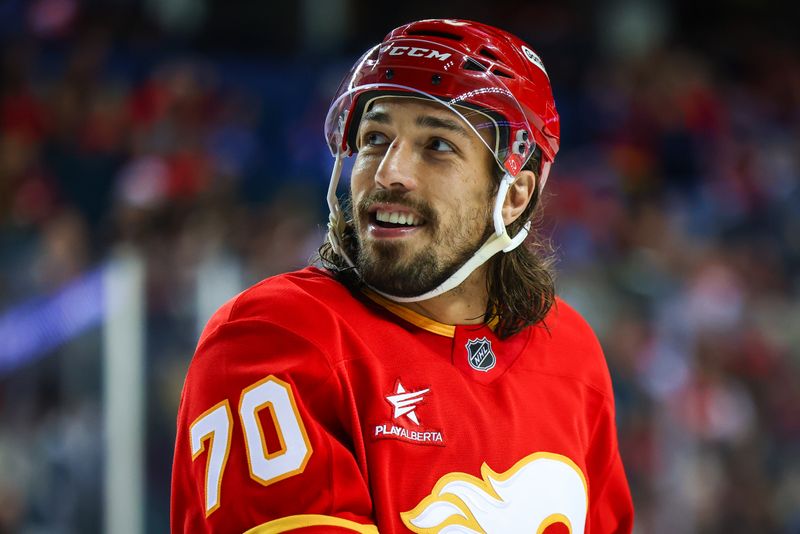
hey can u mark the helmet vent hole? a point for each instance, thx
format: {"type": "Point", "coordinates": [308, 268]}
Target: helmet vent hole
{"type": "Point", "coordinates": [472, 64]}
{"type": "Point", "coordinates": [436, 33]}
{"type": "Point", "coordinates": [488, 54]}
{"type": "Point", "coordinates": [502, 73]}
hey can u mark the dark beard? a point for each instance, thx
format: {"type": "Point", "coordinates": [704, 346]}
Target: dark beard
{"type": "Point", "coordinates": [383, 268]}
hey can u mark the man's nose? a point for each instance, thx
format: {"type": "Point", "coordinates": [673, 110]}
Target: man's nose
{"type": "Point", "coordinates": [398, 168]}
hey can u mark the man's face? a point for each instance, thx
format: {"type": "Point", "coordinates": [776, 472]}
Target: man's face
{"type": "Point", "coordinates": [421, 192]}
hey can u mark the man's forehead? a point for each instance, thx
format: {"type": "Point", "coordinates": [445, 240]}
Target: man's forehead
{"type": "Point", "coordinates": [392, 107]}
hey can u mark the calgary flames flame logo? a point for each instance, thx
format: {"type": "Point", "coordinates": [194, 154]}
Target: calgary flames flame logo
{"type": "Point", "coordinates": [540, 490]}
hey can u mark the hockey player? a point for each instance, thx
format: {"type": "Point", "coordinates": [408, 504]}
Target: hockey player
{"type": "Point", "coordinates": [425, 379]}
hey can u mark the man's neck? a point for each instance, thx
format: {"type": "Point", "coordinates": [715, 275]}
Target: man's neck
{"type": "Point", "coordinates": [465, 304]}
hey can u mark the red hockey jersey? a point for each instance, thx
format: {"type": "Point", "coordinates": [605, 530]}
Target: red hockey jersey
{"type": "Point", "coordinates": [309, 409]}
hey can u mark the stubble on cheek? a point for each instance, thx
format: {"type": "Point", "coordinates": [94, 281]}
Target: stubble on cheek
{"type": "Point", "coordinates": [409, 268]}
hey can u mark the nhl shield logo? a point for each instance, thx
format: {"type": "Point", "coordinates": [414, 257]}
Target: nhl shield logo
{"type": "Point", "coordinates": [480, 355]}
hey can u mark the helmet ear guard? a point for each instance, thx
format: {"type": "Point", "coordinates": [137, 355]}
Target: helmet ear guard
{"type": "Point", "coordinates": [490, 79]}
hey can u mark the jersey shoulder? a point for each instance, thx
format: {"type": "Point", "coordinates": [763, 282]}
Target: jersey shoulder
{"type": "Point", "coordinates": [568, 323]}
{"type": "Point", "coordinates": [567, 345]}
{"type": "Point", "coordinates": [263, 385]}
{"type": "Point", "coordinates": [309, 303]}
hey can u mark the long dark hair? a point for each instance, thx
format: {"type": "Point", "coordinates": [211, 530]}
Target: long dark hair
{"type": "Point", "coordinates": [520, 283]}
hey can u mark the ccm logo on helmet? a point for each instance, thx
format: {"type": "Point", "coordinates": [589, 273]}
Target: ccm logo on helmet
{"type": "Point", "coordinates": [534, 58]}
{"type": "Point", "coordinates": [415, 51]}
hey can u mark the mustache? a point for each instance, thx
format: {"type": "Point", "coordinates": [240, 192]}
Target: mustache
{"type": "Point", "coordinates": [396, 197]}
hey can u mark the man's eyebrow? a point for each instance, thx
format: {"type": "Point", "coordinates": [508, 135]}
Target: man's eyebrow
{"type": "Point", "coordinates": [377, 116]}
{"type": "Point", "coordinates": [429, 121]}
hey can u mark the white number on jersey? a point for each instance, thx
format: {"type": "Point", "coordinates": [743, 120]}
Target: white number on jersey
{"type": "Point", "coordinates": [215, 426]}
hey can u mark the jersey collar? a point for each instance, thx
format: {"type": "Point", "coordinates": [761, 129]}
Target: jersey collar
{"type": "Point", "coordinates": [426, 323]}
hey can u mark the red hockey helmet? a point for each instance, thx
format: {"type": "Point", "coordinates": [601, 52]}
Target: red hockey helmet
{"type": "Point", "coordinates": [489, 77]}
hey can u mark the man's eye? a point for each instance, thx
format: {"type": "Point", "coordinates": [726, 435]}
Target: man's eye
{"type": "Point", "coordinates": [375, 139]}
{"type": "Point", "coordinates": [440, 145]}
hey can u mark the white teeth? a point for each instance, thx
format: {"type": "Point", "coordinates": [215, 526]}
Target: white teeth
{"type": "Point", "coordinates": [397, 218]}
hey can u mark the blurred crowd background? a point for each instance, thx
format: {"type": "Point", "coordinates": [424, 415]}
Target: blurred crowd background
{"type": "Point", "coordinates": [191, 132]}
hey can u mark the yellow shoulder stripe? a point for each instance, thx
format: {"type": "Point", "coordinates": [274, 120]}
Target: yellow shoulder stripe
{"type": "Point", "coordinates": [285, 524]}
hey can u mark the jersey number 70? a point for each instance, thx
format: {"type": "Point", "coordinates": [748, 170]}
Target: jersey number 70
{"type": "Point", "coordinates": [213, 430]}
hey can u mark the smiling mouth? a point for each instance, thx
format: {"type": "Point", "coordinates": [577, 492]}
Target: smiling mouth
{"type": "Point", "coordinates": [385, 218]}
{"type": "Point", "coordinates": [393, 219]}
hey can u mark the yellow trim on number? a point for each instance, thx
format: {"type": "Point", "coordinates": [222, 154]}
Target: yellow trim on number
{"type": "Point", "coordinates": [285, 524]}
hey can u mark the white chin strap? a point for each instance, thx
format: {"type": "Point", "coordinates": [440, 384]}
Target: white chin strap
{"type": "Point", "coordinates": [498, 241]}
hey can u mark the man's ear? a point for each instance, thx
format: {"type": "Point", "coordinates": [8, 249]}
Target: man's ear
{"type": "Point", "coordinates": [518, 196]}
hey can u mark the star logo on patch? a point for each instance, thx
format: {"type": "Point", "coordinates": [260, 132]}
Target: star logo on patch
{"type": "Point", "coordinates": [405, 402]}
